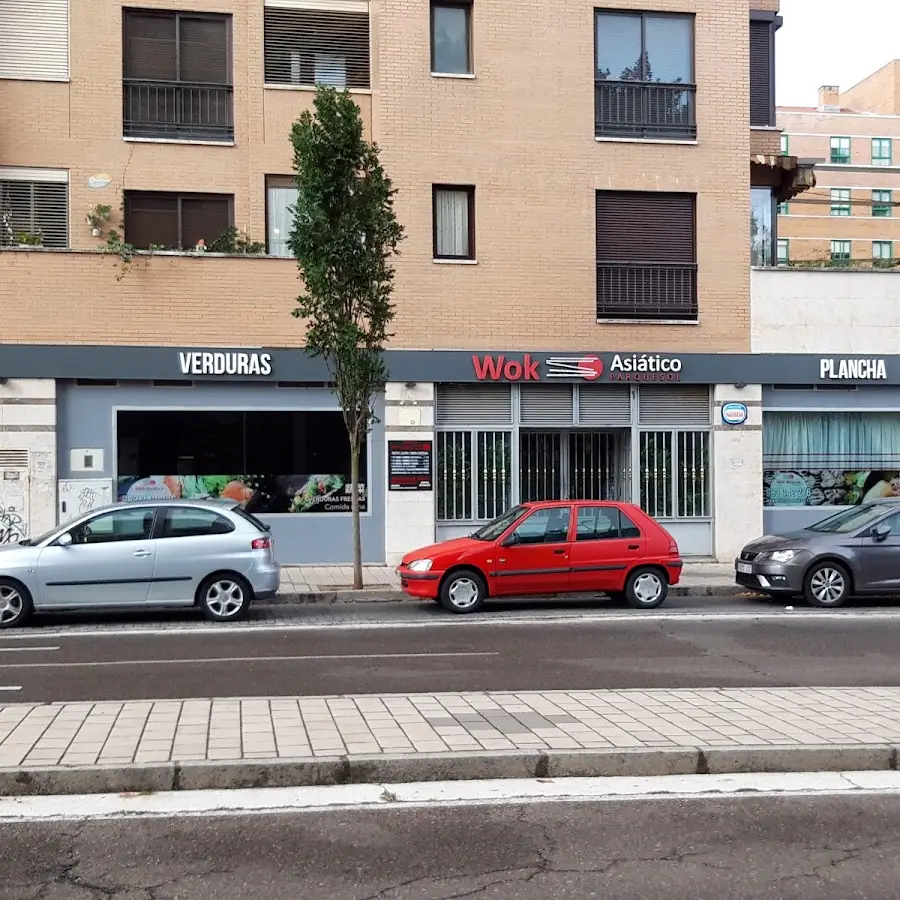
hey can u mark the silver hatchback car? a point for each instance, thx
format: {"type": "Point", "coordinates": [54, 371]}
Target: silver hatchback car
{"type": "Point", "coordinates": [175, 553]}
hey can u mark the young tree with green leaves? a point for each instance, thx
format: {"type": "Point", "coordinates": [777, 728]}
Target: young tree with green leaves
{"type": "Point", "coordinates": [344, 237]}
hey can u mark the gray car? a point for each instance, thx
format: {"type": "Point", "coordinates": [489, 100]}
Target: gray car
{"type": "Point", "coordinates": [854, 552]}
{"type": "Point", "coordinates": [139, 555]}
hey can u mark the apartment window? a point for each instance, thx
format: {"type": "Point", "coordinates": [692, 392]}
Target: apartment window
{"type": "Point", "coordinates": [454, 222]}
{"type": "Point", "coordinates": [881, 151]}
{"type": "Point", "coordinates": [762, 230]}
{"type": "Point", "coordinates": [451, 38]}
{"type": "Point", "coordinates": [840, 251]}
{"type": "Point", "coordinates": [784, 251]}
{"type": "Point", "coordinates": [157, 219]}
{"type": "Point", "coordinates": [783, 209]}
{"type": "Point", "coordinates": [785, 144]}
{"type": "Point", "coordinates": [34, 207]}
{"type": "Point", "coordinates": [646, 256]}
{"type": "Point", "coordinates": [840, 150]}
{"type": "Point", "coordinates": [762, 68]}
{"type": "Point", "coordinates": [644, 76]}
{"type": "Point", "coordinates": [882, 204]}
{"type": "Point", "coordinates": [177, 76]}
{"type": "Point", "coordinates": [34, 40]}
{"type": "Point", "coordinates": [882, 250]}
{"type": "Point", "coordinates": [281, 195]}
{"type": "Point", "coordinates": [316, 47]}
{"type": "Point", "coordinates": [840, 201]}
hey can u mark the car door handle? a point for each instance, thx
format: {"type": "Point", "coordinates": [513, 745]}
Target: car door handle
{"type": "Point", "coordinates": [634, 546]}
{"type": "Point", "coordinates": [559, 552]}
{"type": "Point", "coordinates": [141, 552]}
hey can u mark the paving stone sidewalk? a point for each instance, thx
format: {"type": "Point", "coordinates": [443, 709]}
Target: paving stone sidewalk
{"type": "Point", "coordinates": [117, 733]}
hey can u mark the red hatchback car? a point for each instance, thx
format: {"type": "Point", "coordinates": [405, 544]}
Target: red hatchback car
{"type": "Point", "coordinates": [558, 547]}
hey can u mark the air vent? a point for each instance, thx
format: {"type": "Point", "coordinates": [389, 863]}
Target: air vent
{"type": "Point", "coordinates": [13, 459]}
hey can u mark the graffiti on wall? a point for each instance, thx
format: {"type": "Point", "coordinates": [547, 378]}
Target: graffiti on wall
{"type": "Point", "coordinates": [12, 525]}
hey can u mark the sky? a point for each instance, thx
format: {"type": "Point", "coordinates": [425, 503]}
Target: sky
{"type": "Point", "coordinates": [832, 42]}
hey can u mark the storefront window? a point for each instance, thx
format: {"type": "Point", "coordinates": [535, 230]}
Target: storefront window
{"type": "Point", "coordinates": [271, 462]}
{"type": "Point", "coordinates": [674, 474]}
{"type": "Point", "coordinates": [473, 486]}
{"type": "Point", "coordinates": [830, 459]}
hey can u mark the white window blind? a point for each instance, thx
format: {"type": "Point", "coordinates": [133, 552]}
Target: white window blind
{"type": "Point", "coordinates": [281, 200]}
{"type": "Point", "coordinates": [34, 207]}
{"type": "Point", "coordinates": [451, 223]}
{"type": "Point", "coordinates": [34, 40]}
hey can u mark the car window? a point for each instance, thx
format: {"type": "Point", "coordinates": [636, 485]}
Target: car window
{"type": "Point", "coordinates": [849, 520]}
{"type": "Point", "coordinates": [627, 527]}
{"type": "Point", "coordinates": [496, 527]}
{"type": "Point", "coordinates": [893, 522]}
{"type": "Point", "coordinates": [597, 523]}
{"type": "Point", "coordinates": [126, 524]}
{"type": "Point", "coordinates": [545, 526]}
{"type": "Point", "coordinates": [249, 517]}
{"type": "Point", "coordinates": [188, 522]}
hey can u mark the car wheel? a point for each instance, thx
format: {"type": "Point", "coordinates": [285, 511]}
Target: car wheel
{"type": "Point", "coordinates": [463, 592]}
{"type": "Point", "coordinates": [827, 584]}
{"type": "Point", "coordinates": [16, 604]}
{"type": "Point", "coordinates": [224, 597]}
{"type": "Point", "coordinates": [646, 588]}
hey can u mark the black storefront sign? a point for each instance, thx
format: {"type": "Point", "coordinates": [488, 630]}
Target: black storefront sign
{"type": "Point", "coordinates": [410, 466]}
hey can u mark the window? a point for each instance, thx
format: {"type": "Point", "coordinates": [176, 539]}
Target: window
{"type": "Point", "coordinates": [785, 144]}
{"type": "Point", "coordinates": [762, 69]}
{"type": "Point", "coordinates": [281, 195]}
{"type": "Point", "coordinates": [474, 474]}
{"type": "Point", "coordinates": [545, 526]}
{"type": "Point", "coordinates": [783, 209]}
{"type": "Point", "coordinates": [881, 151]}
{"type": "Point", "coordinates": [34, 212]}
{"type": "Point", "coordinates": [883, 250]}
{"type": "Point", "coordinates": [295, 461]}
{"type": "Point", "coordinates": [882, 204]}
{"type": "Point", "coordinates": [316, 46]}
{"type": "Point", "coordinates": [646, 255]}
{"type": "Point", "coordinates": [644, 75]}
{"type": "Point", "coordinates": [601, 523]}
{"type": "Point", "coordinates": [188, 522]}
{"type": "Point", "coordinates": [177, 75]}
{"type": "Point", "coordinates": [454, 222]}
{"type": "Point", "coordinates": [840, 150]}
{"type": "Point", "coordinates": [784, 252]}
{"type": "Point", "coordinates": [762, 231]}
{"type": "Point", "coordinates": [840, 201]}
{"type": "Point", "coordinates": [34, 40]}
{"type": "Point", "coordinates": [129, 524]}
{"type": "Point", "coordinates": [175, 221]}
{"type": "Point", "coordinates": [675, 474]}
{"type": "Point", "coordinates": [840, 251]}
{"type": "Point", "coordinates": [451, 38]}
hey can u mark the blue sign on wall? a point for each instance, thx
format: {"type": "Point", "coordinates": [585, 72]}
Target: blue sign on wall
{"type": "Point", "coordinates": [734, 413]}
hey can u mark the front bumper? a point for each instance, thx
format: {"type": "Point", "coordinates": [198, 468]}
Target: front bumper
{"type": "Point", "coordinates": [425, 585]}
{"type": "Point", "coordinates": [771, 577]}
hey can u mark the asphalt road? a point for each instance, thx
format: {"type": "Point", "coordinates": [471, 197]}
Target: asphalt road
{"type": "Point", "coordinates": [634, 652]}
{"type": "Point", "coordinates": [791, 848]}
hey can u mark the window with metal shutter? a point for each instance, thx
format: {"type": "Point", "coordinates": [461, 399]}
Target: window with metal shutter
{"type": "Point", "coordinates": [674, 407]}
{"type": "Point", "coordinates": [546, 404]}
{"type": "Point", "coordinates": [316, 46]}
{"type": "Point", "coordinates": [604, 405]}
{"type": "Point", "coordinates": [34, 39]}
{"type": "Point", "coordinates": [761, 74]}
{"type": "Point", "coordinates": [473, 404]}
{"type": "Point", "coordinates": [34, 207]}
{"type": "Point", "coordinates": [175, 221]}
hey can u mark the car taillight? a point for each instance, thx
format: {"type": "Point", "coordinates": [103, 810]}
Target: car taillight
{"type": "Point", "coordinates": [673, 548]}
{"type": "Point", "coordinates": [261, 544]}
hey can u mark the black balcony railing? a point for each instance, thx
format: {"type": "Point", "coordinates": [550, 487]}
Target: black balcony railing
{"type": "Point", "coordinates": [646, 290]}
{"type": "Point", "coordinates": [178, 110]}
{"type": "Point", "coordinates": [637, 110]}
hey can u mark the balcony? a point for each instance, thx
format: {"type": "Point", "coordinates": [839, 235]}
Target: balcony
{"type": "Point", "coordinates": [178, 111]}
{"type": "Point", "coordinates": [643, 110]}
{"type": "Point", "coordinates": [646, 291]}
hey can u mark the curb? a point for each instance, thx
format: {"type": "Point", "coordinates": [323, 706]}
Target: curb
{"type": "Point", "coordinates": [390, 595]}
{"type": "Point", "coordinates": [406, 768]}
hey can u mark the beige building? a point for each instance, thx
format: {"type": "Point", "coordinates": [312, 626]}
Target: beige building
{"type": "Point", "coordinates": [574, 184]}
{"type": "Point", "coordinates": [854, 136]}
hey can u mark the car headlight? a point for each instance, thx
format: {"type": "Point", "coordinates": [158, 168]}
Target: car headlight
{"type": "Point", "coordinates": [420, 565]}
{"type": "Point", "coordinates": [783, 556]}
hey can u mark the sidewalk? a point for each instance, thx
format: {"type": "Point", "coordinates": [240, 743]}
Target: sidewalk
{"type": "Point", "coordinates": [194, 744]}
{"type": "Point", "coordinates": [310, 584]}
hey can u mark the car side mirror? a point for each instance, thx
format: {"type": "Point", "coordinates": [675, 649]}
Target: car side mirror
{"type": "Point", "coordinates": [64, 540]}
{"type": "Point", "coordinates": [510, 541]}
{"type": "Point", "coordinates": [880, 532]}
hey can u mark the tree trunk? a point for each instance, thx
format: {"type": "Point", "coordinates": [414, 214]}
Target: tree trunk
{"type": "Point", "coordinates": [354, 508]}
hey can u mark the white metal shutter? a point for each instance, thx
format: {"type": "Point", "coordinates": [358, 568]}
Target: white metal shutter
{"type": "Point", "coordinates": [488, 405]}
{"type": "Point", "coordinates": [604, 405]}
{"type": "Point", "coordinates": [674, 407]}
{"type": "Point", "coordinates": [34, 203]}
{"type": "Point", "coordinates": [546, 404]}
{"type": "Point", "coordinates": [34, 39]}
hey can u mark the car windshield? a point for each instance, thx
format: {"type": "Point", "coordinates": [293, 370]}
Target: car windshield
{"type": "Point", "coordinates": [849, 520]}
{"type": "Point", "coordinates": [496, 527]}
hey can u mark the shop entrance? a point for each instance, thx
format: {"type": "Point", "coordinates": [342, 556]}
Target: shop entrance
{"type": "Point", "coordinates": [574, 465]}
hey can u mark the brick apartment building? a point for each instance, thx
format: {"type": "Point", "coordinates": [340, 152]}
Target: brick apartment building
{"type": "Point", "coordinates": [572, 298]}
{"type": "Point", "coordinates": [854, 136]}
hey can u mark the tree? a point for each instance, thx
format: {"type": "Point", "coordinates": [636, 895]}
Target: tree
{"type": "Point", "coordinates": [344, 236]}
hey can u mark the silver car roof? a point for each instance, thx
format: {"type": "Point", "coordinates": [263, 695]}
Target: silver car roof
{"type": "Point", "coordinates": [216, 505]}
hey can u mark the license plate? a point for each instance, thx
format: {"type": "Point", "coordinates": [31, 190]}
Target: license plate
{"type": "Point", "coordinates": [745, 568]}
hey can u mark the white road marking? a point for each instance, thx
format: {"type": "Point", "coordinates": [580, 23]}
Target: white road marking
{"type": "Point", "coordinates": [26, 649]}
{"type": "Point", "coordinates": [209, 660]}
{"type": "Point", "coordinates": [11, 687]}
{"type": "Point", "coordinates": [177, 804]}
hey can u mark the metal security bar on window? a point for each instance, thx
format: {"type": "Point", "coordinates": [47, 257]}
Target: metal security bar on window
{"type": "Point", "coordinates": [595, 462]}
{"type": "Point", "coordinates": [494, 473]}
{"type": "Point", "coordinates": [645, 110]}
{"type": "Point", "coordinates": [312, 47]}
{"type": "Point", "coordinates": [454, 475]}
{"type": "Point", "coordinates": [693, 474]}
{"type": "Point", "coordinates": [656, 466]}
{"type": "Point", "coordinates": [34, 213]}
{"type": "Point", "coordinates": [540, 466]}
{"type": "Point", "coordinates": [646, 290]}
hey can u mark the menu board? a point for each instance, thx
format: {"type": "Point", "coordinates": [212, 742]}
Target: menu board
{"type": "Point", "coordinates": [409, 466]}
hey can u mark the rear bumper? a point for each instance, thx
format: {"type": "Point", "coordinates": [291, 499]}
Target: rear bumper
{"type": "Point", "coordinates": [424, 585]}
{"type": "Point", "coordinates": [265, 581]}
{"type": "Point", "coordinates": [674, 568]}
{"type": "Point", "coordinates": [771, 577]}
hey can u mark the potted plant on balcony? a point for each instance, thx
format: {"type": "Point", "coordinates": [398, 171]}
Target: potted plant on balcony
{"type": "Point", "coordinates": [30, 238]}
{"type": "Point", "coordinates": [96, 216]}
